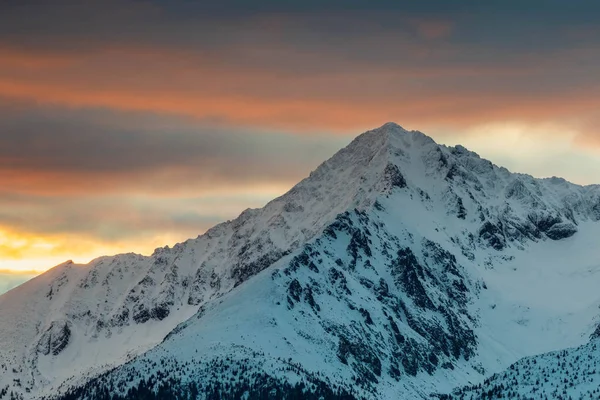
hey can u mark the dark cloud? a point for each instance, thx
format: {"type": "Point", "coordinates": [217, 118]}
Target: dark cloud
{"type": "Point", "coordinates": [508, 26]}
{"type": "Point", "coordinates": [92, 173]}
{"type": "Point", "coordinates": [112, 143]}
{"type": "Point", "coordinates": [115, 218]}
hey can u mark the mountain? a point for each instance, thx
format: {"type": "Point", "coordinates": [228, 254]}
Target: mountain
{"type": "Point", "coordinates": [572, 373]}
{"type": "Point", "coordinates": [400, 268]}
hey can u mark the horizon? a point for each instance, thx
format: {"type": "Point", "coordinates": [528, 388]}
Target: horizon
{"type": "Point", "coordinates": [128, 126]}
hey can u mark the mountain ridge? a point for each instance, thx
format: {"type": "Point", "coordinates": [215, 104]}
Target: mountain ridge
{"type": "Point", "coordinates": [466, 214]}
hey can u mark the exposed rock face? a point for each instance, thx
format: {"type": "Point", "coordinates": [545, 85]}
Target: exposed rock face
{"type": "Point", "coordinates": [492, 235]}
{"type": "Point", "coordinates": [55, 339]}
{"type": "Point", "coordinates": [393, 177]}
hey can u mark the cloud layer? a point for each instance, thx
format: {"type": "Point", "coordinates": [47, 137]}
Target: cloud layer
{"type": "Point", "coordinates": [127, 124]}
{"type": "Point", "coordinates": [307, 67]}
{"type": "Point", "coordinates": [81, 183]}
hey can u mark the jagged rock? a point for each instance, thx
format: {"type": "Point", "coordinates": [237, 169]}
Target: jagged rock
{"type": "Point", "coordinates": [561, 231]}
{"type": "Point", "coordinates": [393, 178]}
{"type": "Point", "coordinates": [55, 339]}
{"type": "Point", "coordinates": [492, 235]}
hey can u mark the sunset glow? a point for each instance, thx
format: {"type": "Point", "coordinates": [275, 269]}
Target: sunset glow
{"type": "Point", "coordinates": [145, 124]}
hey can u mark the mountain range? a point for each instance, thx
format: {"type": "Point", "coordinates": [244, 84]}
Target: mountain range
{"type": "Point", "coordinates": [399, 269]}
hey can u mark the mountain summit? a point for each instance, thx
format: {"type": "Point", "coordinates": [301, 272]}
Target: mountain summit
{"type": "Point", "coordinates": [400, 268]}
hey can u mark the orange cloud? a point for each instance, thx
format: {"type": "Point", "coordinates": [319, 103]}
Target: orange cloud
{"type": "Point", "coordinates": [18, 272]}
{"type": "Point", "coordinates": [21, 59]}
{"type": "Point", "coordinates": [158, 183]}
{"type": "Point", "coordinates": [308, 113]}
{"type": "Point", "coordinates": [210, 87]}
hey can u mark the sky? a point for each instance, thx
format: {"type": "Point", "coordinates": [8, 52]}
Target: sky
{"type": "Point", "coordinates": [128, 125]}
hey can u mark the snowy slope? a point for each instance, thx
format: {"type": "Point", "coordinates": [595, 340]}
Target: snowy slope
{"type": "Point", "coordinates": [572, 373]}
{"type": "Point", "coordinates": [116, 307]}
{"type": "Point", "coordinates": [399, 267]}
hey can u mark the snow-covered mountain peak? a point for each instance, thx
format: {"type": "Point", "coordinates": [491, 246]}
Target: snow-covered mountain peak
{"type": "Point", "coordinates": [394, 250]}
{"type": "Point", "coordinates": [391, 137]}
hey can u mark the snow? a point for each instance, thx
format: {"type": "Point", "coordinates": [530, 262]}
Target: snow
{"type": "Point", "coordinates": [572, 373]}
{"type": "Point", "coordinates": [542, 300]}
{"type": "Point", "coordinates": [530, 296]}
